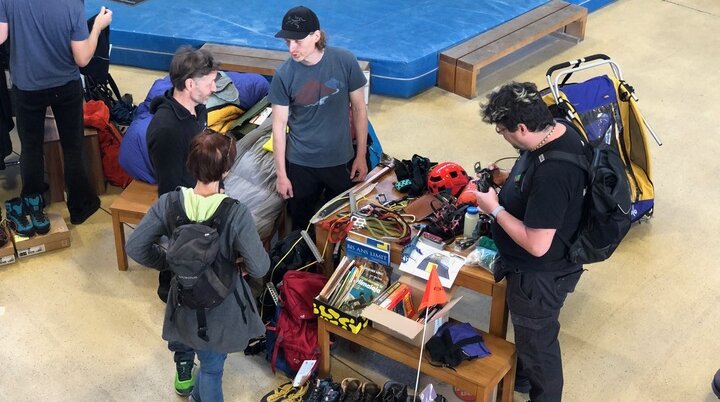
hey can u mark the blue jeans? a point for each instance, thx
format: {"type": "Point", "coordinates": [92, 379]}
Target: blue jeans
{"type": "Point", "coordinates": [208, 383]}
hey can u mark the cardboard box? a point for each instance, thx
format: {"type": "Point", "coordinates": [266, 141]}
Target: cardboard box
{"type": "Point", "coordinates": [58, 237]}
{"type": "Point", "coordinates": [382, 319]}
{"type": "Point", "coordinates": [404, 328]}
{"type": "Point", "coordinates": [7, 252]}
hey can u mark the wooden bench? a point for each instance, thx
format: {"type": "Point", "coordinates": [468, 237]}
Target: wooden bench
{"type": "Point", "coordinates": [261, 61]}
{"type": "Point", "coordinates": [130, 207]}
{"type": "Point", "coordinates": [459, 66]}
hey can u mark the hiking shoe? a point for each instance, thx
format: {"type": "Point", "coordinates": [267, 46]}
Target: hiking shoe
{"type": "Point", "coordinates": [370, 392]}
{"type": "Point", "coordinates": [15, 212]}
{"type": "Point", "coordinates": [34, 205]}
{"type": "Point", "coordinates": [394, 391]}
{"type": "Point", "coordinates": [318, 389]}
{"type": "Point", "coordinates": [90, 208]}
{"type": "Point", "coordinates": [184, 379]}
{"type": "Point", "coordinates": [350, 390]}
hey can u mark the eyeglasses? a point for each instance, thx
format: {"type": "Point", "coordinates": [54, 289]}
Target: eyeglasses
{"type": "Point", "coordinates": [501, 130]}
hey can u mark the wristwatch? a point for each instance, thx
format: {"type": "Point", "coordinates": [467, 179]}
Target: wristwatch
{"type": "Point", "coordinates": [496, 211]}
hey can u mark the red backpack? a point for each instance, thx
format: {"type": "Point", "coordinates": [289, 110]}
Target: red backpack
{"type": "Point", "coordinates": [297, 335]}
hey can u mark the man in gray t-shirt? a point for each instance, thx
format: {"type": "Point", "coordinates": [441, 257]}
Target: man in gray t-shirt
{"type": "Point", "coordinates": [48, 41]}
{"type": "Point", "coordinates": [312, 94]}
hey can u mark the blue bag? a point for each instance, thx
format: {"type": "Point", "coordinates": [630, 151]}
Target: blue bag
{"type": "Point", "coordinates": [454, 343]}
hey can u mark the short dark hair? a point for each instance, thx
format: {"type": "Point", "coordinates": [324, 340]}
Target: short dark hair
{"type": "Point", "coordinates": [190, 63]}
{"type": "Point", "coordinates": [211, 155]}
{"type": "Point", "coordinates": [517, 103]}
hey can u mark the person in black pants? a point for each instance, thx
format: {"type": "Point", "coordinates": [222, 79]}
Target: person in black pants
{"type": "Point", "coordinates": [48, 41]}
{"type": "Point", "coordinates": [529, 227]}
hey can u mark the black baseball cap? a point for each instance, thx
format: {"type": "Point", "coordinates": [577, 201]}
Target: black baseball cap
{"type": "Point", "coordinates": [298, 23]}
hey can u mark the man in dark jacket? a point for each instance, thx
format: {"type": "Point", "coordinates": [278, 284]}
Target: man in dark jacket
{"type": "Point", "coordinates": [178, 116]}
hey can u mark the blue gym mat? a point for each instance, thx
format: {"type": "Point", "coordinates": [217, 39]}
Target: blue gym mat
{"type": "Point", "coordinates": [400, 38]}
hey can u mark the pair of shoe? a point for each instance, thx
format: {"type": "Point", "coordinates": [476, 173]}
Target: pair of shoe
{"type": "Point", "coordinates": [355, 391]}
{"type": "Point", "coordinates": [394, 391]}
{"type": "Point", "coordinates": [287, 393]}
{"type": "Point", "coordinates": [17, 211]}
{"type": "Point", "coordinates": [184, 377]}
{"type": "Point", "coordinates": [324, 390]}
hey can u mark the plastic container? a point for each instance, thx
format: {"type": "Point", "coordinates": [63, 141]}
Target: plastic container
{"type": "Point", "coordinates": [472, 215]}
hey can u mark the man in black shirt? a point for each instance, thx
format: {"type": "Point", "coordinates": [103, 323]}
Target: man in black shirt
{"type": "Point", "coordinates": [534, 218]}
{"type": "Point", "coordinates": [178, 116]}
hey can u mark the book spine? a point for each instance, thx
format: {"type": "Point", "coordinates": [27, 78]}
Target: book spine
{"type": "Point", "coordinates": [380, 299]}
{"type": "Point", "coordinates": [396, 297]}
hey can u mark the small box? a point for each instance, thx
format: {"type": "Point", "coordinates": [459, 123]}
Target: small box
{"type": "Point", "coordinates": [7, 252]}
{"type": "Point", "coordinates": [58, 237]}
{"type": "Point", "coordinates": [404, 328]}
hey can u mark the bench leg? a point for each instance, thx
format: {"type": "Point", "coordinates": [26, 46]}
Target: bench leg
{"type": "Point", "coordinates": [576, 29]}
{"type": "Point", "coordinates": [465, 82]}
{"type": "Point", "coordinates": [446, 75]}
{"type": "Point", "coordinates": [119, 232]}
{"type": "Point", "coordinates": [324, 344]}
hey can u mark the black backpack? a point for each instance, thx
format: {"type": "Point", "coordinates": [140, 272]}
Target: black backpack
{"type": "Point", "coordinates": [607, 204]}
{"type": "Point", "coordinates": [200, 282]}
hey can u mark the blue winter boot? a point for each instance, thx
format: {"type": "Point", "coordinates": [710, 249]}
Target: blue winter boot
{"type": "Point", "coordinates": [15, 210]}
{"type": "Point", "coordinates": [34, 204]}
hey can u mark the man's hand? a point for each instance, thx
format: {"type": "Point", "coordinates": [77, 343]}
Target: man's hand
{"type": "Point", "coordinates": [103, 19]}
{"type": "Point", "coordinates": [284, 187]}
{"type": "Point", "coordinates": [499, 176]}
{"type": "Point", "coordinates": [487, 201]}
{"type": "Point", "coordinates": [359, 169]}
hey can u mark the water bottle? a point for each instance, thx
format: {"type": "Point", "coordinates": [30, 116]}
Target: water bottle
{"type": "Point", "coordinates": [471, 219]}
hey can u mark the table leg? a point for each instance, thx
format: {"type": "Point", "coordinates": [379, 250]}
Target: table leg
{"type": "Point", "coordinates": [498, 312]}
{"type": "Point", "coordinates": [324, 344]}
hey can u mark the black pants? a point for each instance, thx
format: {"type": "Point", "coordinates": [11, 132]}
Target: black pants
{"type": "Point", "coordinates": [66, 102]}
{"type": "Point", "coordinates": [309, 184]}
{"type": "Point", "coordinates": [534, 300]}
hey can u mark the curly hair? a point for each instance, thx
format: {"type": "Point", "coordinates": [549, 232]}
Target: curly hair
{"type": "Point", "coordinates": [517, 103]}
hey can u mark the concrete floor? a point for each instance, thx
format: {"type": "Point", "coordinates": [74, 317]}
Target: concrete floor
{"type": "Point", "coordinates": [640, 327]}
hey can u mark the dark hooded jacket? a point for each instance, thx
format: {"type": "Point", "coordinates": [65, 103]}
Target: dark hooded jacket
{"type": "Point", "coordinates": [168, 140]}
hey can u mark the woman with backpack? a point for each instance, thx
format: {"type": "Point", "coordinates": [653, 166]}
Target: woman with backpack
{"type": "Point", "coordinates": [210, 307]}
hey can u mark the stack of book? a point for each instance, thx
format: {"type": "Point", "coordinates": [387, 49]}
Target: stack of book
{"type": "Point", "coordinates": [355, 285]}
{"type": "Point", "coordinates": [397, 298]}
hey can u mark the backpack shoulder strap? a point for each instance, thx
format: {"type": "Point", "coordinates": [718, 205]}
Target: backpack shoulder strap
{"type": "Point", "coordinates": [221, 213]}
{"type": "Point", "coordinates": [574, 159]}
{"type": "Point", "coordinates": [175, 215]}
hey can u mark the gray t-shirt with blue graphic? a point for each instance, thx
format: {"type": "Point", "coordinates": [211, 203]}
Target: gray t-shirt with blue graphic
{"type": "Point", "coordinates": [318, 97]}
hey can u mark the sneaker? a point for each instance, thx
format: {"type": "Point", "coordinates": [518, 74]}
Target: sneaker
{"type": "Point", "coordinates": [318, 390]}
{"type": "Point", "coordinates": [34, 204]}
{"type": "Point", "coordinates": [15, 211]}
{"type": "Point", "coordinates": [80, 217]}
{"type": "Point", "coordinates": [184, 379]}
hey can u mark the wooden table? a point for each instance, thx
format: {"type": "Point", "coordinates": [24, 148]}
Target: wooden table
{"type": "Point", "coordinates": [478, 377]}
